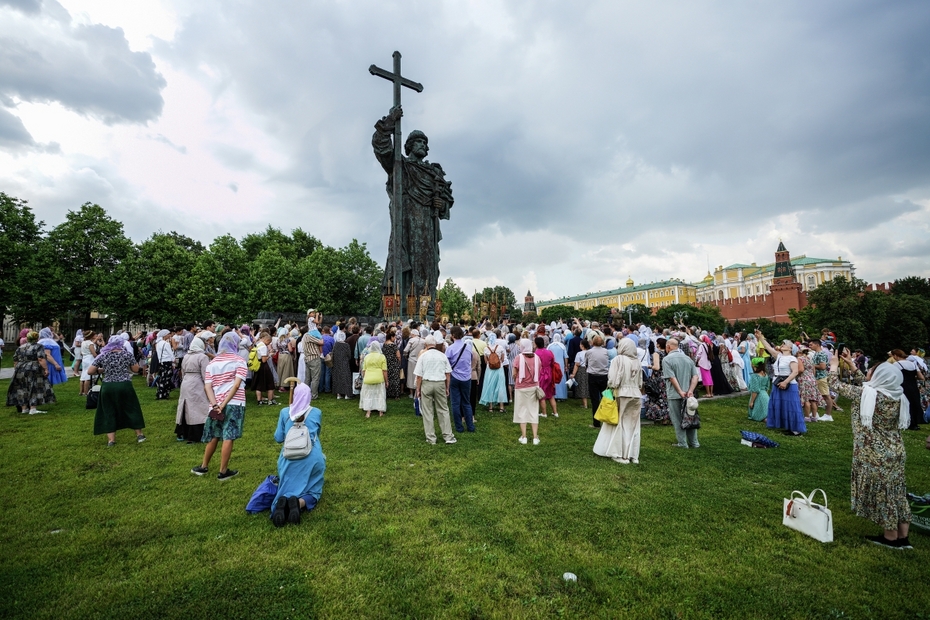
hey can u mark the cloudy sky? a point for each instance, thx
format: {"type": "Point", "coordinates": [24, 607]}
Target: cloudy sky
{"type": "Point", "coordinates": [586, 142]}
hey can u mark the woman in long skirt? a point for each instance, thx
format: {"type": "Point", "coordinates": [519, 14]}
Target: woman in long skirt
{"type": "Point", "coordinates": [721, 383]}
{"type": "Point", "coordinates": [621, 442]}
{"type": "Point", "coordinates": [88, 353]}
{"type": "Point", "coordinates": [373, 368]}
{"type": "Point", "coordinates": [29, 387]}
{"type": "Point", "coordinates": [342, 369]}
{"type": "Point", "coordinates": [759, 394]}
{"type": "Point", "coordinates": [193, 404]}
{"type": "Point", "coordinates": [118, 407]}
{"type": "Point", "coordinates": [580, 374]}
{"type": "Point", "coordinates": [56, 368]}
{"type": "Point", "coordinates": [560, 355]}
{"type": "Point", "coordinates": [263, 379]}
{"type": "Point", "coordinates": [546, 384]}
{"type": "Point", "coordinates": [785, 403]}
{"type": "Point", "coordinates": [392, 355]}
{"type": "Point", "coordinates": [286, 368]}
{"type": "Point", "coordinates": [513, 352]}
{"type": "Point", "coordinates": [880, 412]}
{"type": "Point", "coordinates": [657, 398]}
{"type": "Point", "coordinates": [526, 384]}
{"type": "Point", "coordinates": [164, 350]}
{"type": "Point", "coordinates": [494, 390]}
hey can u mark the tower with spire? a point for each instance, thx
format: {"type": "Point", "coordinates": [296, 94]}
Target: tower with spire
{"type": "Point", "coordinates": [785, 289]}
{"type": "Point", "coordinates": [529, 304]}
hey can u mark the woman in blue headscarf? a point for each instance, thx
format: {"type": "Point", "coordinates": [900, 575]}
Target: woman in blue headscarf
{"type": "Point", "coordinates": [56, 370]}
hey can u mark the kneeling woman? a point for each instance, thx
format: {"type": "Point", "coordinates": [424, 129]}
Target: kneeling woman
{"type": "Point", "coordinates": [300, 481]}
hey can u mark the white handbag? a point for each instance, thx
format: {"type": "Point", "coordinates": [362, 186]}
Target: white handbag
{"type": "Point", "coordinates": [802, 514]}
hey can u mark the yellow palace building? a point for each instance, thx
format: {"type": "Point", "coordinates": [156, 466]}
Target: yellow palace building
{"type": "Point", "coordinates": [731, 282]}
{"type": "Point", "coordinates": [652, 295]}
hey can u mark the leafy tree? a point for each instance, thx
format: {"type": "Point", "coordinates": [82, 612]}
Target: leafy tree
{"type": "Point", "coordinates": [80, 255]}
{"type": "Point", "coordinates": [185, 242]}
{"type": "Point", "coordinates": [705, 317]}
{"type": "Point", "coordinates": [912, 285]}
{"type": "Point", "coordinates": [635, 313]}
{"type": "Point", "coordinates": [454, 301]}
{"type": "Point", "coordinates": [773, 332]}
{"type": "Point", "coordinates": [503, 295]}
{"type": "Point", "coordinates": [554, 313]}
{"type": "Point", "coordinates": [256, 243]}
{"type": "Point", "coordinates": [19, 238]}
{"type": "Point", "coordinates": [219, 283]}
{"type": "Point", "coordinates": [363, 277]}
{"type": "Point", "coordinates": [344, 281]}
{"type": "Point", "coordinates": [272, 284]}
{"type": "Point", "coordinates": [304, 243]}
{"type": "Point", "coordinates": [153, 283]}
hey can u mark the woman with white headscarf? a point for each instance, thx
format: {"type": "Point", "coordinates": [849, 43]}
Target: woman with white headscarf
{"type": "Point", "coordinates": [76, 353]}
{"type": "Point", "coordinates": [164, 351]}
{"type": "Point", "coordinates": [625, 377]}
{"type": "Point", "coordinates": [526, 388]}
{"type": "Point", "coordinates": [374, 372]}
{"type": "Point", "coordinates": [193, 405]}
{"type": "Point", "coordinates": [880, 412]}
{"type": "Point", "coordinates": [559, 356]}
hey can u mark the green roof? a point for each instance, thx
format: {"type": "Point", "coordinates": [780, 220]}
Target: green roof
{"type": "Point", "coordinates": [800, 260]}
{"type": "Point", "coordinates": [618, 291]}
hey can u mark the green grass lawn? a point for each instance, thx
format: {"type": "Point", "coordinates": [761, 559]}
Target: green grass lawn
{"type": "Point", "coordinates": [483, 528]}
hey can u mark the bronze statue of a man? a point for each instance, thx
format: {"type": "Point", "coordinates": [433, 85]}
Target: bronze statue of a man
{"type": "Point", "coordinates": [427, 198]}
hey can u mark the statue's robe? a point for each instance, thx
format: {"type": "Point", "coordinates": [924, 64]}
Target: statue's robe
{"type": "Point", "coordinates": [419, 226]}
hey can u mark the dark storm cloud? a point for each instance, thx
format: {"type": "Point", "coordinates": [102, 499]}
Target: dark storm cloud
{"type": "Point", "coordinates": [767, 109]}
{"type": "Point", "coordinates": [26, 6]}
{"type": "Point", "coordinates": [86, 68]}
{"type": "Point", "coordinates": [13, 134]}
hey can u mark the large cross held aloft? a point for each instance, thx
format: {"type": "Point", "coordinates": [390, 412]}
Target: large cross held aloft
{"type": "Point", "coordinates": [397, 177]}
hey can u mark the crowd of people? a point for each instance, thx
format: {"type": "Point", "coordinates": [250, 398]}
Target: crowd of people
{"type": "Point", "coordinates": [452, 371]}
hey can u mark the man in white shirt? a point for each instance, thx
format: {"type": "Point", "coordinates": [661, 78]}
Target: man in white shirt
{"type": "Point", "coordinates": [433, 372]}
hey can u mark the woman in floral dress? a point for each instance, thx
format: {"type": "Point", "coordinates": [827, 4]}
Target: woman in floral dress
{"type": "Point", "coordinates": [391, 352]}
{"type": "Point", "coordinates": [657, 403]}
{"type": "Point", "coordinates": [30, 387]}
{"type": "Point", "coordinates": [807, 387]}
{"type": "Point", "coordinates": [879, 413]}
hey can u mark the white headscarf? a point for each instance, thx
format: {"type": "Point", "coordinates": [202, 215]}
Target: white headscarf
{"type": "Point", "coordinates": [526, 348]}
{"type": "Point", "coordinates": [886, 379]}
{"type": "Point", "coordinates": [196, 346]}
{"type": "Point", "coordinates": [340, 336]}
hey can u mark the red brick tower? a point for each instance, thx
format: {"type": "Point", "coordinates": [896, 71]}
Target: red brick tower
{"type": "Point", "coordinates": [529, 305]}
{"type": "Point", "coordinates": [785, 290]}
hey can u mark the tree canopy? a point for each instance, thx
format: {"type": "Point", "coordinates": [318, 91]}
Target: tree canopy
{"type": "Point", "coordinates": [87, 264]}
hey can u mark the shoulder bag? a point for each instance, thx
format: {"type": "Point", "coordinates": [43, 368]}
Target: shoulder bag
{"type": "Point", "coordinates": [802, 514]}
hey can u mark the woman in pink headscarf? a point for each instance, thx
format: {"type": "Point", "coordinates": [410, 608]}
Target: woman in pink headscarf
{"type": "Point", "coordinates": [702, 359]}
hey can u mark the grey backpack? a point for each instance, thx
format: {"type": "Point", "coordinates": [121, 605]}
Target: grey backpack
{"type": "Point", "coordinates": [297, 443]}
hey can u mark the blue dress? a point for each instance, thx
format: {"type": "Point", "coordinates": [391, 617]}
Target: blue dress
{"type": "Point", "coordinates": [52, 349]}
{"type": "Point", "coordinates": [301, 478]}
{"type": "Point", "coordinates": [559, 354]}
{"type": "Point", "coordinates": [746, 354]}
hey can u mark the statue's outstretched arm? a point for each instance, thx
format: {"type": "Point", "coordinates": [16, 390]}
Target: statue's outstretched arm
{"type": "Point", "coordinates": [382, 141]}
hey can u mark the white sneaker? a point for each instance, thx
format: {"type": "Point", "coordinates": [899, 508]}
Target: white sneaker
{"type": "Point", "coordinates": [825, 418]}
{"type": "Point", "coordinates": [535, 441]}
{"type": "Point", "coordinates": [522, 440]}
